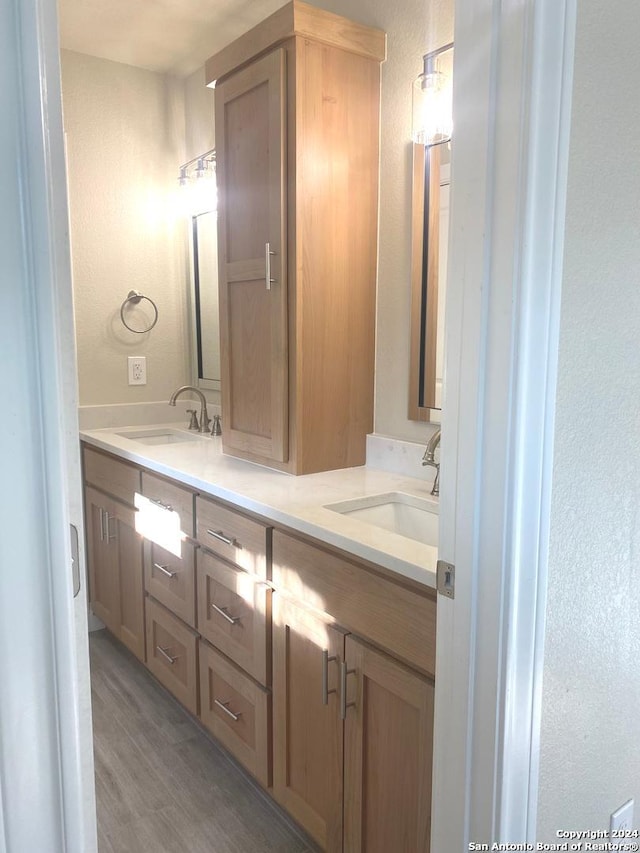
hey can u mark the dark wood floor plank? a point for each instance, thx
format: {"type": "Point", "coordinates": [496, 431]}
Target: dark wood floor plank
{"type": "Point", "coordinates": [162, 785]}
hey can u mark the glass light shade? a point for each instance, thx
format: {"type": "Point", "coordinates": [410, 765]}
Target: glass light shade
{"type": "Point", "coordinates": [432, 108]}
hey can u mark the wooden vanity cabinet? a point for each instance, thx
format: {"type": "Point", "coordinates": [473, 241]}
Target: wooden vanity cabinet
{"type": "Point", "coordinates": [353, 725]}
{"type": "Point", "coordinates": [115, 550]}
{"type": "Point", "coordinates": [297, 104]}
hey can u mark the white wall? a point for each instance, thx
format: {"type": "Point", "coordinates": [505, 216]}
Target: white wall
{"type": "Point", "coordinates": [125, 141]}
{"type": "Point", "coordinates": [590, 754]}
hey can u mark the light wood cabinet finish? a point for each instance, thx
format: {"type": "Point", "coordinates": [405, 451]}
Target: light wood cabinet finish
{"type": "Point", "coordinates": [111, 475]}
{"type": "Point", "coordinates": [115, 569]}
{"type": "Point", "coordinates": [326, 251]}
{"type": "Point", "coordinates": [387, 613]}
{"type": "Point", "coordinates": [307, 734]}
{"type": "Point", "coordinates": [237, 711]}
{"type": "Point", "coordinates": [233, 536]}
{"type": "Point", "coordinates": [170, 495]}
{"type": "Point", "coordinates": [250, 122]}
{"type": "Point", "coordinates": [234, 614]}
{"type": "Point", "coordinates": [172, 654]}
{"type": "Point", "coordinates": [388, 754]}
{"type": "Point", "coordinates": [171, 579]}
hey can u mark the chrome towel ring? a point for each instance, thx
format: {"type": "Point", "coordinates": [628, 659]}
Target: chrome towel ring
{"type": "Point", "coordinates": [135, 297]}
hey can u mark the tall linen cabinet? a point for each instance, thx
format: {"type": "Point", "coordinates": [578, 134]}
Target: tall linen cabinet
{"type": "Point", "coordinates": [297, 111]}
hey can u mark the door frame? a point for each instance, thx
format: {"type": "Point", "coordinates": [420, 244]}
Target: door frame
{"type": "Point", "coordinates": [46, 757]}
{"type": "Point", "coordinates": [512, 109]}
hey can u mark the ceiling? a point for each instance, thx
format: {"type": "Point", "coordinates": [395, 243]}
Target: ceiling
{"type": "Point", "coordinates": [174, 36]}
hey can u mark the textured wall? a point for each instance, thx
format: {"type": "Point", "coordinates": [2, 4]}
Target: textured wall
{"type": "Point", "coordinates": [413, 27]}
{"type": "Point", "coordinates": [125, 141]}
{"type": "Point", "coordinates": [590, 760]}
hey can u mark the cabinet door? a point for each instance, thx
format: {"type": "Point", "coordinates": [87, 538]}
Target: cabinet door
{"type": "Point", "coordinates": [127, 544]}
{"type": "Point", "coordinates": [307, 734]}
{"type": "Point", "coordinates": [104, 582]}
{"type": "Point", "coordinates": [388, 754]}
{"type": "Point", "coordinates": [250, 152]}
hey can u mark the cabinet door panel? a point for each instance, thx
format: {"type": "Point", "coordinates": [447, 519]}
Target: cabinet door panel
{"type": "Point", "coordinates": [250, 153]}
{"type": "Point", "coordinates": [103, 569]}
{"type": "Point", "coordinates": [388, 754]}
{"type": "Point", "coordinates": [128, 546]}
{"type": "Point", "coordinates": [307, 735]}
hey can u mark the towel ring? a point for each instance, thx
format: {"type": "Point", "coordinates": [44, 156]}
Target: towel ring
{"type": "Point", "coordinates": [135, 297]}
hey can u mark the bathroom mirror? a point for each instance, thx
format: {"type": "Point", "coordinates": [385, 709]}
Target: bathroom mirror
{"type": "Point", "coordinates": [204, 277]}
{"type": "Point", "coordinates": [429, 240]}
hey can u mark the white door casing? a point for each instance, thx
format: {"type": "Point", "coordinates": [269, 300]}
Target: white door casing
{"type": "Point", "coordinates": [512, 92]}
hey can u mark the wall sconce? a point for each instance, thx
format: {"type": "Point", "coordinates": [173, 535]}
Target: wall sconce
{"type": "Point", "coordinates": [432, 101]}
{"type": "Point", "coordinates": [201, 192]}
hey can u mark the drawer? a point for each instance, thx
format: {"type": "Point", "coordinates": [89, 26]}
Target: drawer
{"type": "Point", "coordinates": [171, 580]}
{"type": "Point", "coordinates": [233, 536]}
{"type": "Point", "coordinates": [234, 614]}
{"type": "Point", "coordinates": [171, 496]}
{"type": "Point", "coordinates": [111, 475]}
{"type": "Point", "coordinates": [237, 711]}
{"type": "Point", "coordinates": [391, 615]}
{"type": "Point", "coordinates": [172, 654]}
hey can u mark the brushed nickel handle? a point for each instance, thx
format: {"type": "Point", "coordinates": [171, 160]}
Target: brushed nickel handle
{"type": "Point", "coordinates": [164, 570]}
{"type": "Point", "coordinates": [223, 612]}
{"type": "Point", "coordinates": [110, 536]}
{"type": "Point", "coordinates": [159, 503]}
{"type": "Point", "coordinates": [268, 254]}
{"type": "Point", "coordinates": [102, 536]}
{"type": "Point", "coordinates": [166, 655]}
{"type": "Point", "coordinates": [344, 672]}
{"type": "Point", "coordinates": [325, 676]}
{"type": "Point", "coordinates": [218, 534]}
{"type": "Point", "coordinates": [223, 707]}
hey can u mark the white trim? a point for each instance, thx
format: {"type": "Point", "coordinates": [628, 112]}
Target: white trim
{"type": "Point", "coordinates": [512, 83]}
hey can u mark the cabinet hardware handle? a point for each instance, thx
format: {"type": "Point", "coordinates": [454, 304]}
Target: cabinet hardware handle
{"type": "Point", "coordinates": [159, 503]}
{"type": "Point", "coordinates": [110, 535]}
{"type": "Point", "coordinates": [268, 254]}
{"type": "Point", "coordinates": [344, 672]}
{"type": "Point", "coordinates": [166, 655]}
{"type": "Point", "coordinates": [101, 524]}
{"type": "Point", "coordinates": [223, 707]}
{"type": "Point", "coordinates": [223, 612]}
{"type": "Point", "coordinates": [164, 570]}
{"type": "Point", "coordinates": [218, 534]}
{"type": "Point", "coordinates": [325, 676]}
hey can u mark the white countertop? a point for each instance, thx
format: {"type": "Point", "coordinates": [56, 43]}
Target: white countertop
{"type": "Point", "coordinates": [296, 502]}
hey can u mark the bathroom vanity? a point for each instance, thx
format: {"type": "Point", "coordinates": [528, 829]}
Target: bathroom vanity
{"type": "Point", "coordinates": [300, 634]}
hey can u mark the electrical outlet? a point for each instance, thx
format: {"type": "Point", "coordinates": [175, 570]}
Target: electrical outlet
{"type": "Point", "coordinates": [622, 818]}
{"type": "Point", "coordinates": [137, 369]}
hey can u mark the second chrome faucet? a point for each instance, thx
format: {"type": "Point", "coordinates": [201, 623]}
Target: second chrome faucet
{"type": "Point", "coordinates": [204, 416]}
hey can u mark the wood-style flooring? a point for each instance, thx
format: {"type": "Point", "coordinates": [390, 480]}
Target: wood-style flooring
{"type": "Point", "coordinates": [162, 785]}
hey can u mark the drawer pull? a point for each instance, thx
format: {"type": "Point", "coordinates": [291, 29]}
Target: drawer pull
{"type": "Point", "coordinates": [344, 672]}
{"type": "Point", "coordinates": [159, 503]}
{"type": "Point", "coordinates": [166, 655]}
{"type": "Point", "coordinates": [223, 612]}
{"type": "Point", "coordinates": [223, 707]}
{"type": "Point", "coordinates": [218, 534]}
{"type": "Point", "coordinates": [325, 676]}
{"type": "Point", "coordinates": [164, 570]}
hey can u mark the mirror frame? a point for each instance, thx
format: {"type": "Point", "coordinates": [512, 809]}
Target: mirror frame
{"type": "Point", "coordinates": [425, 240]}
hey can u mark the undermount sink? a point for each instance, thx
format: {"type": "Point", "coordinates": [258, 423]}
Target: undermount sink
{"type": "Point", "coordinates": [159, 435]}
{"type": "Point", "coordinates": [406, 515]}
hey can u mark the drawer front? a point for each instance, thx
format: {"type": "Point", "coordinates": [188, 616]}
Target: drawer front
{"type": "Point", "coordinates": [234, 614]}
{"type": "Point", "coordinates": [171, 579]}
{"type": "Point", "coordinates": [170, 495]}
{"type": "Point", "coordinates": [392, 616]}
{"type": "Point", "coordinates": [172, 654]}
{"type": "Point", "coordinates": [111, 475]}
{"type": "Point", "coordinates": [237, 711]}
{"type": "Point", "coordinates": [238, 539]}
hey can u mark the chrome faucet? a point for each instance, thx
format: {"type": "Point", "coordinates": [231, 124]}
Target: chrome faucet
{"type": "Point", "coordinates": [429, 458]}
{"type": "Point", "coordinates": [204, 417]}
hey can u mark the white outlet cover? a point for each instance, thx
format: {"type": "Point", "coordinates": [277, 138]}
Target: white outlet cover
{"type": "Point", "coordinates": [137, 369]}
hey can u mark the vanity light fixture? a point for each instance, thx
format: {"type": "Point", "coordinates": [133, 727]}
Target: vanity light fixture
{"type": "Point", "coordinates": [432, 101]}
{"type": "Point", "coordinates": [204, 167]}
{"type": "Point", "coordinates": [199, 195]}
